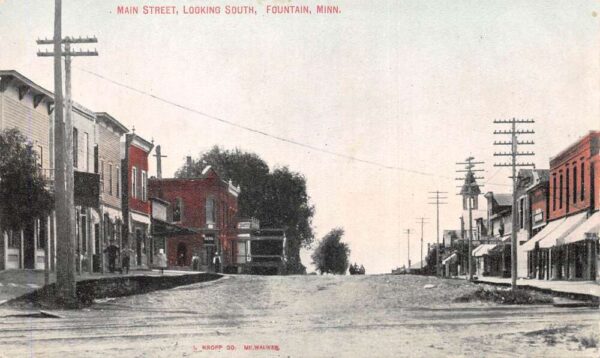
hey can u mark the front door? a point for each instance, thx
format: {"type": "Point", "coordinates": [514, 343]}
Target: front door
{"type": "Point", "coordinates": [29, 246]}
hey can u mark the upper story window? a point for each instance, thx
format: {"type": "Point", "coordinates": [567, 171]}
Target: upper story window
{"type": "Point", "coordinates": [177, 210]}
{"type": "Point", "coordinates": [144, 185]}
{"type": "Point", "coordinates": [574, 184]}
{"type": "Point", "coordinates": [118, 188]}
{"type": "Point", "coordinates": [134, 184]}
{"type": "Point", "coordinates": [102, 176]}
{"type": "Point", "coordinates": [560, 188]}
{"type": "Point", "coordinates": [86, 156]}
{"type": "Point", "coordinates": [553, 192]}
{"type": "Point", "coordinates": [75, 146]}
{"type": "Point", "coordinates": [40, 159]}
{"type": "Point", "coordinates": [211, 211]}
{"type": "Point", "coordinates": [582, 191]}
{"type": "Point", "coordinates": [110, 179]}
{"type": "Point", "coordinates": [522, 213]}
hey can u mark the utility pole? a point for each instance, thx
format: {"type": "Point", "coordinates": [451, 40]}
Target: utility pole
{"type": "Point", "coordinates": [514, 142]}
{"type": "Point", "coordinates": [407, 232]}
{"type": "Point", "coordinates": [469, 191]}
{"type": "Point", "coordinates": [422, 222]}
{"type": "Point", "coordinates": [63, 142]}
{"type": "Point", "coordinates": [158, 162]}
{"type": "Point", "coordinates": [437, 204]}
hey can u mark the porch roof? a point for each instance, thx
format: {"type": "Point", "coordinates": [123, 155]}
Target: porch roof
{"type": "Point", "coordinates": [565, 229]}
{"type": "Point", "coordinates": [483, 250]}
{"type": "Point", "coordinates": [591, 225]}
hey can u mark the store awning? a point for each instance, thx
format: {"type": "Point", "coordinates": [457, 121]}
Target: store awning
{"type": "Point", "coordinates": [550, 228]}
{"type": "Point", "coordinates": [561, 232]}
{"type": "Point", "coordinates": [482, 250]}
{"type": "Point", "coordinates": [450, 259]}
{"type": "Point", "coordinates": [591, 225]}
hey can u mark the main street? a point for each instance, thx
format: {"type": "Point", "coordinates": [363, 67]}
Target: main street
{"type": "Point", "coordinates": [303, 316]}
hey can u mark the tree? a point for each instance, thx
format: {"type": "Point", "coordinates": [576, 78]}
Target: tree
{"type": "Point", "coordinates": [278, 198]}
{"type": "Point", "coordinates": [331, 255]}
{"type": "Point", "coordinates": [23, 194]}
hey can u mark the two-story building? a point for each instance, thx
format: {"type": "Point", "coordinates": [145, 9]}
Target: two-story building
{"type": "Point", "coordinates": [532, 212]}
{"type": "Point", "coordinates": [207, 206]}
{"type": "Point", "coordinates": [28, 107]}
{"type": "Point", "coordinates": [135, 201]}
{"type": "Point", "coordinates": [109, 133]}
{"type": "Point", "coordinates": [567, 248]}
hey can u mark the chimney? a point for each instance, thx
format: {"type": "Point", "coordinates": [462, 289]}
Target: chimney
{"type": "Point", "coordinates": [189, 166]}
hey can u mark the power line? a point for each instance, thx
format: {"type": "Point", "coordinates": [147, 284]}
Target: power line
{"type": "Point", "coordinates": [261, 132]}
{"type": "Point", "coordinates": [437, 204]}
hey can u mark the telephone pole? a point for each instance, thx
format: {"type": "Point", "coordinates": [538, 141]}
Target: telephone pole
{"type": "Point", "coordinates": [63, 166]}
{"type": "Point", "coordinates": [514, 142]}
{"type": "Point", "coordinates": [407, 232]}
{"type": "Point", "coordinates": [437, 204]}
{"type": "Point", "coordinates": [469, 191]}
{"type": "Point", "coordinates": [422, 222]}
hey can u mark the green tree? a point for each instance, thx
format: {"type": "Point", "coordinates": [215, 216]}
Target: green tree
{"type": "Point", "coordinates": [23, 194]}
{"type": "Point", "coordinates": [278, 198]}
{"type": "Point", "coordinates": [331, 255]}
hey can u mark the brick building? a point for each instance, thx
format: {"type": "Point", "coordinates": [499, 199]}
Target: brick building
{"type": "Point", "coordinates": [567, 248]}
{"type": "Point", "coordinates": [206, 206]}
{"type": "Point", "coordinates": [135, 200]}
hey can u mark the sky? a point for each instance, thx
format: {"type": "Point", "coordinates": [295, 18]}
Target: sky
{"type": "Point", "coordinates": [407, 87]}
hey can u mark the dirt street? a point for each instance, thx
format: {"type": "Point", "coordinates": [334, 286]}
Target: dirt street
{"type": "Point", "coordinates": [304, 316]}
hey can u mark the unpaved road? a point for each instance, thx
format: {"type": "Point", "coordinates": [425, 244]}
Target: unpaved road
{"type": "Point", "coordinates": [304, 316]}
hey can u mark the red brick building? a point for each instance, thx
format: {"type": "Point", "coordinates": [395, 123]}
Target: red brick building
{"type": "Point", "coordinates": [207, 206]}
{"type": "Point", "coordinates": [136, 203]}
{"type": "Point", "coordinates": [574, 179]}
{"type": "Point", "coordinates": [567, 246]}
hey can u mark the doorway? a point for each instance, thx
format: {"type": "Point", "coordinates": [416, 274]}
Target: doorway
{"type": "Point", "coordinates": [181, 254]}
{"type": "Point", "coordinates": [138, 246]}
{"type": "Point", "coordinates": [29, 246]}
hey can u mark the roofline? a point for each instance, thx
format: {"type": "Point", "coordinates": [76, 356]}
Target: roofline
{"type": "Point", "coordinates": [134, 136]}
{"type": "Point", "coordinates": [112, 119]}
{"type": "Point", "coordinates": [27, 81]}
{"type": "Point", "coordinates": [574, 143]}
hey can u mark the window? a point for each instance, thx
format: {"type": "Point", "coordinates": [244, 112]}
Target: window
{"type": "Point", "coordinates": [560, 202]}
{"type": "Point", "coordinates": [110, 179]}
{"type": "Point", "coordinates": [538, 216]}
{"type": "Point", "coordinates": [75, 146]}
{"type": "Point", "coordinates": [574, 184]}
{"type": "Point", "coordinates": [40, 159]}
{"type": "Point", "coordinates": [581, 192]}
{"type": "Point", "coordinates": [86, 159]}
{"type": "Point", "coordinates": [118, 188]}
{"type": "Point", "coordinates": [41, 234]}
{"type": "Point", "coordinates": [521, 213]}
{"type": "Point", "coordinates": [144, 185]}
{"type": "Point", "coordinates": [102, 176]}
{"type": "Point", "coordinates": [14, 239]}
{"type": "Point", "coordinates": [210, 211]}
{"type": "Point", "coordinates": [177, 210]}
{"type": "Point", "coordinates": [567, 193]}
{"type": "Point", "coordinates": [553, 192]}
{"type": "Point", "coordinates": [83, 233]}
{"type": "Point", "coordinates": [133, 182]}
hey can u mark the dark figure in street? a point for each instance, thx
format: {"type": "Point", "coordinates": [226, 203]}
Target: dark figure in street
{"type": "Point", "coordinates": [112, 252]}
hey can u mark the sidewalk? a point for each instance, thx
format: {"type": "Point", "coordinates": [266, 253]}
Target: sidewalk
{"type": "Point", "coordinates": [565, 287]}
{"type": "Point", "coordinates": [15, 283]}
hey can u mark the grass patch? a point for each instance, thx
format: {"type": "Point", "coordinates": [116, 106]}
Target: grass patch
{"type": "Point", "coordinates": [589, 341]}
{"type": "Point", "coordinates": [506, 296]}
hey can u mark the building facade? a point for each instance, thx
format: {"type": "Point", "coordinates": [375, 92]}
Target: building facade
{"type": "Point", "coordinates": [135, 201]}
{"type": "Point", "coordinates": [108, 164]}
{"type": "Point", "coordinates": [29, 108]}
{"type": "Point", "coordinates": [567, 247]}
{"type": "Point", "coordinates": [206, 206]}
